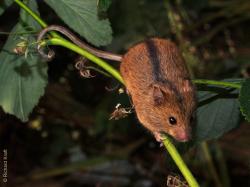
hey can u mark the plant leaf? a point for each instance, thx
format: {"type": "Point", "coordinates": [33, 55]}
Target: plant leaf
{"type": "Point", "coordinates": [103, 5]}
{"type": "Point", "coordinates": [244, 99]}
{"type": "Point", "coordinates": [22, 80]}
{"type": "Point", "coordinates": [217, 114]}
{"type": "Point", "coordinates": [82, 16]}
{"type": "Point", "coordinates": [5, 4]}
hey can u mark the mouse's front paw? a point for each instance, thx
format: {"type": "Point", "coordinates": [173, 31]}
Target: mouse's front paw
{"type": "Point", "coordinates": [159, 136]}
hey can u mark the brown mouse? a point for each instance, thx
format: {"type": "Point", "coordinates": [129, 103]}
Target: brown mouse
{"type": "Point", "coordinates": [157, 80]}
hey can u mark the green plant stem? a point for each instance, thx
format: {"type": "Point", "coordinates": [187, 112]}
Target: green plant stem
{"type": "Point", "coordinates": [222, 165]}
{"type": "Point", "coordinates": [217, 83]}
{"type": "Point", "coordinates": [180, 163]}
{"type": "Point", "coordinates": [210, 164]}
{"type": "Point", "coordinates": [36, 17]}
{"type": "Point", "coordinates": [86, 54]}
{"type": "Point", "coordinates": [33, 14]}
{"type": "Point", "coordinates": [18, 33]}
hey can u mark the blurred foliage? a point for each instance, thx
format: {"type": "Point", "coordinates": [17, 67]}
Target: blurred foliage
{"type": "Point", "coordinates": [69, 140]}
{"type": "Point", "coordinates": [245, 96]}
{"type": "Point", "coordinates": [5, 4]}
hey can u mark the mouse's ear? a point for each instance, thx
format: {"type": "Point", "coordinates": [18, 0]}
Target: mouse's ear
{"type": "Point", "coordinates": [187, 86]}
{"type": "Point", "coordinates": [158, 95]}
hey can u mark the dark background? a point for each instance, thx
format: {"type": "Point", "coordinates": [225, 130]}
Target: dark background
{"type": "Point", "coordinates": [70, 141]}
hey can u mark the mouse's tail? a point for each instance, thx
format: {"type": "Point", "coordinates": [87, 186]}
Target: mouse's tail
{"type": "Point", "coordinates": [75, 40]}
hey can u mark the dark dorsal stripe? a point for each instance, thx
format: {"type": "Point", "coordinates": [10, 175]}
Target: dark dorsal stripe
{"type": "Point", "coordinates": [153, 55]}
{"type": "Point", "coordinates": [154, 60]}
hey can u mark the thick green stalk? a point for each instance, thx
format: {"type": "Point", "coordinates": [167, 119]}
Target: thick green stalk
{"type": "Point", "coordinates": [33, 14]}
{"type": "Point", "coordinates": [180, 163]}
{"type": "Point", "coordinates": [36, 17]}
{"type": "Point", "coordinates": [86, 54]}
{"type": "Point", "coordinates": [217, 83]}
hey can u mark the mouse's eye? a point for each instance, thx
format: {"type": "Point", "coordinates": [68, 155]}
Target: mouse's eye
{"type": "Point", "coordinates": [172, 120]}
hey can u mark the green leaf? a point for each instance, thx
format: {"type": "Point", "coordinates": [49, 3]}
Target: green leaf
{"type": "Point", "coordinates": [82, 16]}
{"type": "Point", "coordinates": [22, 80]}
{"type": "Point", "coordinates": [218, 113]}
{"type": "Point", "coordinates": [103, 5]}
{"type": "Point", "coordinates": [244, 99]}
{"type": "Point", "coordinates": [5, 4]}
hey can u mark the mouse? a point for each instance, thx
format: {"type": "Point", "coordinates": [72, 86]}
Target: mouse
{"type": "Point", "coordinates": [157, 80]}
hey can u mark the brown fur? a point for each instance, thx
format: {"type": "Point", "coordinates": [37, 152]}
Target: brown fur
{"type": "Point", "coordinates": [158, 81]}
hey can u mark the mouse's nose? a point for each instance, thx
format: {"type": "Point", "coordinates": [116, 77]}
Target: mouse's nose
{"type": "Point", "coordinates": [182, 136]}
